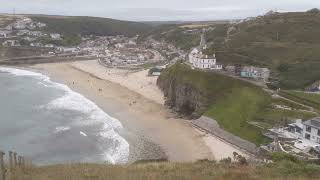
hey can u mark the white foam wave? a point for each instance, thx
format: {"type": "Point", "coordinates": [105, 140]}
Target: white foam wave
{"type": "Point", "coordinates": [83, 134]}
{"type": "Point", "coordinates": [74, 101]}
{"type": "Point", "coordinates": [61, 129]}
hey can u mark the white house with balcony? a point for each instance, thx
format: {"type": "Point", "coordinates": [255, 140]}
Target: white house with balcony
{"type": "Point", "coordinates": [201, 61]}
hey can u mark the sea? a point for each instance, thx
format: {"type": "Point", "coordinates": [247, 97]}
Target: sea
{"type": "Point", "coordinates": [49, 123]}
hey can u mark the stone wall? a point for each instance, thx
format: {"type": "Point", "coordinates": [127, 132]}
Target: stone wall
{"type": "Point", "coordinates": [211, 126]}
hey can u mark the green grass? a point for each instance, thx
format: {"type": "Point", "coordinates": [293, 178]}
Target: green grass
{"type": "Point", "coordinates": [179, 39]}
{"type": "Point", "coordinates": [283, 102]}
{"type": "Point", "coordinates": [231, 102]}
{"type": "Point", "coordinates": [237, 108]}
{"type": "Point", "coordinates": [310, 99]}
{"type": "Point", "coordinates": [282, 117]}
{"type": "Point", "coordinates": [255, 42]}
{"type": "Point", "coordinates": [204, 170]}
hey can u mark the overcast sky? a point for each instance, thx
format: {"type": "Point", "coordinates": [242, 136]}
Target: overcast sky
{"type": "Point", "coordinates": [157, 10]}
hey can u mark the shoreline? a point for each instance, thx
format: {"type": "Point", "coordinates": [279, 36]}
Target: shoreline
{"type": "Point", "coordinates": [145, 118]}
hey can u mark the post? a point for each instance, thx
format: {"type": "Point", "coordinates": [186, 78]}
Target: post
{"type": "Point", "coordinates": [22, 162]}
{"type": "Point", "coordinates": [15, 159]}
{"type": "Point", "coordinates": [10, 160]}
{"type": "Point", "coordinates": [2, 168]}
{"type": "Point", "coordinates": [19, 161]}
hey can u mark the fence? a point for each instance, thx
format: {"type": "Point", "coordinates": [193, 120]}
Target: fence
{"type": "Point", "coordinates": [14, 167]}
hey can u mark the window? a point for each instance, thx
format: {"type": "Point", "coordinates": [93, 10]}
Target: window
{"type": "Point", "coordinates": [307, 136]}
{"type": "Point", "coordinates": [318, 132]}
{"type": "Point", "coordinates": [298, 130]}
{"type": "Point", "coordinates": [308, 128]}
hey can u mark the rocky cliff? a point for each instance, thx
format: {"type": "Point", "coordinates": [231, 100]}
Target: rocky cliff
{"type": "Point", "coordinates": [182, 96]}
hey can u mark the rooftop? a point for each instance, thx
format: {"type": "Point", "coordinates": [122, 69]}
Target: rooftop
{"type": "Point", "coordinates": [315, 122]}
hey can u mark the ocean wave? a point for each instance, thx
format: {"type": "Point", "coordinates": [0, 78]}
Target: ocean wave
{"type": "Point", "coordinates": [62, 128]}
{"type": "Point", "coordinates": [74, 101]}
{"type": "Point", "coordinates": [83, 134]}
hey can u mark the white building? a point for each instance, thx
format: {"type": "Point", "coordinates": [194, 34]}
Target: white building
{"type": "Point", "coordinates": [11, 43]}
{"type": "Point", "coordinates": [55, 36]}
{"type": "Point", "coordinates": [311, 130]}
{"type": "Point", "coordinates": [4, 34]}
{"type": "Point", "coordinates": [201, 61]}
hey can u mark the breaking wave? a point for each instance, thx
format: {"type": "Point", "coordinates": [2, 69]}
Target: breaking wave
{"type": "Point", "coordinates": [74, 101]}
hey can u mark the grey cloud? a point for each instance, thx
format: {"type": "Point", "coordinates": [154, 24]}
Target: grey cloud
{"type": "Point", "coordinates": [158, 10]}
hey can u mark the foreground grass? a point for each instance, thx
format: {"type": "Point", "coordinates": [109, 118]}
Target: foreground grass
{"type": "Point", "coordinates": [203, 170]}
{"type": "Point", "coordinates": [235, 110]}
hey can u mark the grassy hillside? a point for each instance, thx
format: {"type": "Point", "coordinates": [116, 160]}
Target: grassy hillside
{"type": "Point", "coordinates": [233, 103]}
{"type": "Point", "coordinates": [229, 101]}
{"type": "Point", "coordinates": [310, 99]}
{"type": "Point", "coordinates": [91, 25]}
{"type": "Point", "coordinates": [284, 168]}
{"type": "Point", "coordinates": [287, 43]}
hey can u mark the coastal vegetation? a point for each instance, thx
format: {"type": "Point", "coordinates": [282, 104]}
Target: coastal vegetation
{"type": "Point", "coordinates": [287, 43]}
{"type": "Point", "coordinates": [310, 99]}
{"type": "Point", "coordinates": [284, 167]}
{"type": "Point", "coordinates": [239, 107]}
{"type": "Point", "coordinates": [73, 28]}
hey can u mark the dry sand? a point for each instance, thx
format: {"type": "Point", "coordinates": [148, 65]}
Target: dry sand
{"type": "Point", "coordinates": [135, 100]}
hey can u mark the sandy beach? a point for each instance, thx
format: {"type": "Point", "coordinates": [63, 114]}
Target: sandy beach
{"type": "Point", "coordinates": [134, 99]}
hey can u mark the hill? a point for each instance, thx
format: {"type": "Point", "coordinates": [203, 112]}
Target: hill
{"type": "Point", "coordinates": [83, 25]}
{"type": "Point", "coordinates": [233, 103]}
{"type": "Point", "coordinates": [287, 43]}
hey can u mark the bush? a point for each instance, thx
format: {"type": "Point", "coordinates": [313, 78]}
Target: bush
{"type": "Point", "coordinates": [277, 157]}
{"type": "Point", "coordinates": [226, 160]}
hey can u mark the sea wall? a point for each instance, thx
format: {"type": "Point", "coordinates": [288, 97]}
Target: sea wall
{"type": "Point", "coordinates": [211, 126]}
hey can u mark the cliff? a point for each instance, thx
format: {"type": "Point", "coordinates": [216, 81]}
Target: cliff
{"type": "Point", "coordinates": [231, 102]}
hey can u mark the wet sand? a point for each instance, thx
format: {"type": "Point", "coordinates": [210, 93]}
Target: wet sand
{"type": "Point", "coordinates": [133, 98]}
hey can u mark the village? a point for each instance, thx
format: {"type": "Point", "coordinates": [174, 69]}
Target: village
{"type": "Point", "coordinates": [299, 138]}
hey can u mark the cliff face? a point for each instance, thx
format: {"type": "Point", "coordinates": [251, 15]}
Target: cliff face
{"type": "Point", "coordinates": [182, 95]}
{"type": "Point", "coordinates": [184, 98]}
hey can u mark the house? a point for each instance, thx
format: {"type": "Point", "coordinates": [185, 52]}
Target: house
{"type": "Point", "coordinates": [311, 130]}
{"type": "Point", "coordinates": [255, 73]}
{"type": "Point", "coordinates": [22, 32]}
{"type": "Point", "coordinates": [201, 61]}
{"type": "Point", "coordinates": [36, 33]}
{"type": "Point", "coordinates": [36, 44]}
{"type": "Point", "coordinates": [11, 43]}
{"type": "Point", "coordinates": [230, 69]}
{"type": "Point", "coordinates": [198, 60]}
{"type": "Point", "coordinates": [4, 34]}
{"type": "Point", "coordinates": [55, 36]}
{"type": "Point", "coordinates": [156, 71]}
{"type": "Point", "coordinates": [41, 25]}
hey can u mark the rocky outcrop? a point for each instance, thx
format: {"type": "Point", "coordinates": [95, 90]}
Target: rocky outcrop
{"type": "Point", "coordinates": [182, 96]}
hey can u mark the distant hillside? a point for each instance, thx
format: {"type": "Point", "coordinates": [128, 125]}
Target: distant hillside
{"type": "Point", "coordinates": [288, 43]}
{"type": "Point", "coordinates": [91, 25]}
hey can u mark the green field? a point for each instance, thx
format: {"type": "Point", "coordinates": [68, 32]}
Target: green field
{"type": "Point", "coordinates": [310, 99]}
{"type": "Point", "coordinates": [233, 112]}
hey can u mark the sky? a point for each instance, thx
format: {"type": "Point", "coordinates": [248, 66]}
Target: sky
{"type": "Point", "coordinates": [157, 10]}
